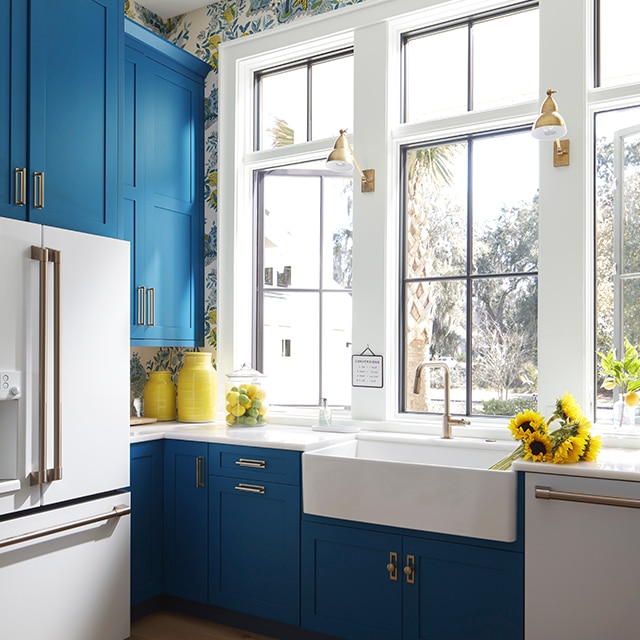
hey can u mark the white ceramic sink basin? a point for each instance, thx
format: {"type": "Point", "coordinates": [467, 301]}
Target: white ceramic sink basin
{"type": "Point", "coordinates": [414, 482]}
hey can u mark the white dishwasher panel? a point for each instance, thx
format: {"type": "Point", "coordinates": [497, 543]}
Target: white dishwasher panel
{"type": "Point", "coordinates": [582, 559]}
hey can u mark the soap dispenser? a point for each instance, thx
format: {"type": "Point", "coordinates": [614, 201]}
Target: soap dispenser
{"type": "Point", "coordinates": [324, 416]}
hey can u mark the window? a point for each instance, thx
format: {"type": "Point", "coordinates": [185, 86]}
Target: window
{"type": "Point", "coordinates": [304, 235]}
{"type": "Point", "coordinates": [304, 299]}
{"type": "Point", "coordinates": [305, 100]}
{"type": "Point", "coordinates": [617, 30]}
{"type": "Point", "coordinates": [429, 83]}
{"type": "Point", "coordinates": [470, 242]}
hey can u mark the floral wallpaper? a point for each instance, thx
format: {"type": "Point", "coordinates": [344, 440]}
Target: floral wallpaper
{"type": "Point", "coordinates": [200, 32]}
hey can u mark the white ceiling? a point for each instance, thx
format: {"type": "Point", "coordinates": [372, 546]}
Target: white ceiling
{"type": "Point", "coordinates": [170, 8]}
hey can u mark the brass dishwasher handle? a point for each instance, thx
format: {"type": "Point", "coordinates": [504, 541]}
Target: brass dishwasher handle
{"type": "Point", "coordinates": [117, 512]}
{"type": "Point", "coordinates": [546, 493]}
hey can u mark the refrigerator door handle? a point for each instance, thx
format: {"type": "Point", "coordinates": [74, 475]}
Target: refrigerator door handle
{"type": "Point", "coordinates": [117, 512]}
{"type": "Point", "coordinates": [54, 474]}
{"type": "Point", "coordinates": [42, 256]}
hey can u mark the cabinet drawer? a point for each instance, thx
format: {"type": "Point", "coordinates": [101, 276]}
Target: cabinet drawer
{"type": "Point", "coordinates": [255, 463]}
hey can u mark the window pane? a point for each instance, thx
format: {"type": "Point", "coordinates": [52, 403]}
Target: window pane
{"type": "Point", "coordinates": [505, 334]}
{"type": "Point", "coordinates": [619, 61]}
{"type": "Point", "coordinates": [291, 231]}
{"type": "Point", "coordinates": [332, 97]}
{"type": "Point", "coordinates": [336, 348]}
{"type": "Point", "coordinates": [505, 204]}
{"type": "Point", "coordinates": [291, 347]}
{"type": "Point", "coordinates": [338, 233]}
{"type": "Point", "coordinates": [436, 211]}
{"type": "Point", "coordinates": [435, 321]}
{"type": "Point", "coordinates": [283, 109]}
{"type": "Point", "coordinates": [613, 324]}
{"type": "Point", "coordinates": [631, 205]}
{"type": "Point", "coordinates": [505, 60]}
{"type": "Point", "coordinates": [436, 75]}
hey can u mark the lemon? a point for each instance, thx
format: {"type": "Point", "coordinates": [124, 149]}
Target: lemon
{"type": "Point", "coordinates": [238, 410]}
{"type": "Point", "coordinates": [261, 394]}
{"type": "Point", "coordinates": [251, 390]}
{"type": "Point", "coordinates": [232, 397]}
{"type": "Point", "coordinates": [632, 398]}
{"type": "Point", "coordinates": [230, 419]}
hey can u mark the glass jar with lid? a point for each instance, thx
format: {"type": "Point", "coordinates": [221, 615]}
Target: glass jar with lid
{"type": "Point", "coordinates": [246, 398]}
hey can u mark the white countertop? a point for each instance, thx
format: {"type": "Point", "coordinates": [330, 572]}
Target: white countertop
{"type": "Point", "coordinates": [272, 435]}
{"type": "Point", "coordinates": [615, 464]}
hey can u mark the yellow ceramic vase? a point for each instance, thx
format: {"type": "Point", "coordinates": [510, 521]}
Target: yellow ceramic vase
{"type": "Point", "coordinates": [160, 396]}
{"type": "Point", "coordinates": [197, 388]}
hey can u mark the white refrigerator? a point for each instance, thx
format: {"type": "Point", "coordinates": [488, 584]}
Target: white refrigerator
{"type": "Point", "coordinates": [64, 434]}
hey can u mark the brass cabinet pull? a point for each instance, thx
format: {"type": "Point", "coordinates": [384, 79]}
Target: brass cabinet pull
{"type": "Point", "coordinates": [250, 488]}
{"type": "Point", "coordinates": [254, 464]}
{"type": "Point", "coordinates": [200, 472]}
{"type": "Point", "coordinates": [410, 569]}
{"type": "Point", "coordinates": [20, 187]}
{"type": "Point", "coordinates": [142, 309]}
{"type": "Point", "coordinates": [151, 306]}
{"type": "Point", "coordinates": [38, 189]}
{"type": "Point", "coordinates": [392, 566]}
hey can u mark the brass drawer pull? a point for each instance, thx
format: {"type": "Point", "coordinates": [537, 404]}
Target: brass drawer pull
{"type": "Point", "coordinates": [410, 569]}
{"type": "Point", "coordinates": [392, 566]}
{"type": "Point", "coordinates": [254, 464]}
{"type": "Point", "coordinates": [20, 187]}
{"type": "Point", "coordinates": [250, 488]}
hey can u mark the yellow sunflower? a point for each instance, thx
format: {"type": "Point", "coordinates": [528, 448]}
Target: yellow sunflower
{"type": "Point", "coordinates": [524, 424]}
{"type": "Point", "coordinates": [537, 447]}
{"type": "Point", "coordinates": [568, 409]}
{"type": "Point", "coordinates": [569, 450]}
{"type": "Point", "coordinates": [592, 448]}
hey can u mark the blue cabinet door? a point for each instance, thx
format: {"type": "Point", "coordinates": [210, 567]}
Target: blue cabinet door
{"type": "Point", "coordinates": [75, 56]}
{"type": "Point", "coordinates": [255, 547]}
{"type": "Point", "coordinates": [164, 193]}
{"type": "Point", "coordinates": [351, 582]}
{"type": "Point", "coordinates": [457, 592]}
{"type": "Point", "coordinates": [185, 520]}
{"type": "Point", "coordinates": [146, 520]}
{"type": "Point", "coordinates": [13, 108]}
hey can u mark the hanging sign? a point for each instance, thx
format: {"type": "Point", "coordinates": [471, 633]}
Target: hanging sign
{"type": "Point", "coordinates": [366, 370]}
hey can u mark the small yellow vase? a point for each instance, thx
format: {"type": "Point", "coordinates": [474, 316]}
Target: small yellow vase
{"type": "Point", "coordinates": [197, 388]}
{"type": "Point", "coordinates": [160, 396]}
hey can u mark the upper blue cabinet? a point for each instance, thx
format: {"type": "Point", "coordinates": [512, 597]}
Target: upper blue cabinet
{"type": "Point", "coordinates": [59, 112]}
{"type": "Point", "coordinates": [163, 184]}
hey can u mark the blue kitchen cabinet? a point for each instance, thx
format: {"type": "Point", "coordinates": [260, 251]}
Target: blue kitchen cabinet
{"type": "Point", "coordinates": [59, 112]}
{"type": "Point", "coordinates": [255, 531]}
{"type": "Point", "coordinates": [146, 471]}
{"type": "Point", "coordinates": [373, 584]}
{"type": "Point", "coordinates": [185, 520]}
{"type": "Point", "coordinates": [163, 190]}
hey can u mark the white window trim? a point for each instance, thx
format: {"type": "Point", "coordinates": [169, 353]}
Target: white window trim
{"type": "Point", "coordinates": [565, 317]}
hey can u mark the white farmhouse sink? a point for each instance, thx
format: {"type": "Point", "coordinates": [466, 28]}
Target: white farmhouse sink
{"type": "Point", "coordinates": [414, 482]}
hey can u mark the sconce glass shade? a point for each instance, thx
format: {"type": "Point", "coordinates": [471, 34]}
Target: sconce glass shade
{"type": "Point", "coordinates": [549, 125]}
{"type": "Point", "coordinates": [340, 159]}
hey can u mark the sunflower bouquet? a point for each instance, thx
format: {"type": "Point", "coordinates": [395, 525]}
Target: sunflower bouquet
{"type": "Point", "coordinates": [571, 441]}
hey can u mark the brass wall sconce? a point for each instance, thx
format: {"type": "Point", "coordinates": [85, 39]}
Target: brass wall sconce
{"type": "Point", "coordinates": [343, 159]}
{"type": "Point", "coordinates": [550, 125]}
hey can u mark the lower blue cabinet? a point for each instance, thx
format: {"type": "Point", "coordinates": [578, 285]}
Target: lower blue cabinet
{"type": "Point", "coordinates": [146, 520]}
{"type": "Point", "coordinates": [365, 584]}
{"type": "Point", "coordinates": [254, 516]}
{"type": "Point", "coordinates": [185, 520]}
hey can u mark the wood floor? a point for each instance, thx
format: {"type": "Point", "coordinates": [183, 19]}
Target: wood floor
{"type": "Point", "coordinates": [166, 625]}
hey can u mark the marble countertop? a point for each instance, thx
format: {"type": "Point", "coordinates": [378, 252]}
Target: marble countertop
{"type": "Point", "coordinates": [272, 435]}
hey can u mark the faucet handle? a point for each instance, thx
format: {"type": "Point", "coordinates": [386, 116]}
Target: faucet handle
{"type": "Point", "coordinates": [460, 421]}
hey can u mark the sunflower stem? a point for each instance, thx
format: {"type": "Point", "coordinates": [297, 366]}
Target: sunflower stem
{"type": "Point", "coordinates": [507, 461]}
